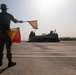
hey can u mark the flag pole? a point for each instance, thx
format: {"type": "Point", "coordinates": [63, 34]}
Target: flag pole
{"type": "Point", "coordinates": [28, 21]}
{"type": "Point", "coordinates": [25, 21]}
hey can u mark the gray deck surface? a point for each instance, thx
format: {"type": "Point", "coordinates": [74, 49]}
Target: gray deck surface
{"type": "Point", "coordinates": [42, 59]}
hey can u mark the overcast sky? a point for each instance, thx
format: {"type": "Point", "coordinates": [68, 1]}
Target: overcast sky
{"type": "Point", "coordinates": [51, 15]}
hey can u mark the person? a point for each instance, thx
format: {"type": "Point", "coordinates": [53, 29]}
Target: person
{"type": "Point", "coordinates": [5, 19]}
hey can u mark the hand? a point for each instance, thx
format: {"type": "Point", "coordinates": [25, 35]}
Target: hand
{"type": "Point", "coordinates": [21, 21]}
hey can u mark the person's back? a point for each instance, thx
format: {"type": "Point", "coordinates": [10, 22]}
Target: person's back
{"type": "Point", "coordinates": [5, 19]}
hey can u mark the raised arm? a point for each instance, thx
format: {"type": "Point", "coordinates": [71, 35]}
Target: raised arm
{"type": "Point", "coordinates": [15, 20]}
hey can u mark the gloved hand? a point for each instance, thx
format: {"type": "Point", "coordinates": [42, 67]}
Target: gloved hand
{"type": "Point", "coordinates": [21, 21]}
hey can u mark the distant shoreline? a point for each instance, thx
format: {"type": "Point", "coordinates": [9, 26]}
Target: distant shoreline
{"type": "Point", "coordinates": [67, 39]}
{"type": "Point", "coordinates": [61, 39]}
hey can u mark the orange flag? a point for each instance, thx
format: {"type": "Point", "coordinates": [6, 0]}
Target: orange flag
{"type": "Point", "coordinates": [14, 34]}
{"type": "Point", "coordinates": [33, 24]}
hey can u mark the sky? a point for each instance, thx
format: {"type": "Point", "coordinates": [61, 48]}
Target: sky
{"type": "Point", "coordinates": [50, 15]}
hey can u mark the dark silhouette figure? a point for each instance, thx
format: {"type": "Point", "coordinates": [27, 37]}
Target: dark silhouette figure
{"type": "Point", "coordinates": [5, 19]}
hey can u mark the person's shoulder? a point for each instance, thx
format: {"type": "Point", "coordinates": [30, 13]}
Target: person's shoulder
{"type": "Point", "coordinates": [10, 14]}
